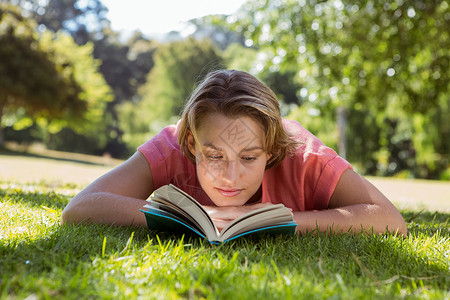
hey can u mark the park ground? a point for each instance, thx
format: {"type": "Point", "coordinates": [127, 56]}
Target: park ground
{"type": "Point", "coordinates": [40, 259]}
{"type": "Point", "coordinates": [39, 165]}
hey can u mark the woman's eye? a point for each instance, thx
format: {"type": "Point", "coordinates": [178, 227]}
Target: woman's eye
{"type": "Point", "coordinates": [249, 158]}
{"type": "Point", "coordinates": [214, 157]}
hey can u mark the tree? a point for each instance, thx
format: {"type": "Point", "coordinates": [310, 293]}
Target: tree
{"type": "Point", "coordinates": [84, 69]}
{"type": "Point", "coordinates": [29, 80]}
{"type": "Point", "coordinates": [46, 78]}
{"type": "Point", "coordinates": [211, 27]}
{"type": "Point", "coordinates": [83, 20]}
{"type": "Point", "coordinates": [125, 67]}
{"type": "Point", "coordinates": [178, 66]}
{"type": "Point", "coordinates": [388, 61]}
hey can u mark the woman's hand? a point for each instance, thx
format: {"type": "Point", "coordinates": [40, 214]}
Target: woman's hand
{"type": "Point", "coordinates": [223, 215]}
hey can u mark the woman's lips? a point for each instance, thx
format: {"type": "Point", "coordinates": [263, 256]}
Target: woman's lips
{"type": "Point", "coordinates": [229, 192]}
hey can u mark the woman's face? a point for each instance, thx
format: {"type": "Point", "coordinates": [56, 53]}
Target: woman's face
{"type": "Point", "coordinates": [230, 158]}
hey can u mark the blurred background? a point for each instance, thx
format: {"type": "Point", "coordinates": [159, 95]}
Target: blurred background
{"type": "Point", "coordinates": [369, 78]}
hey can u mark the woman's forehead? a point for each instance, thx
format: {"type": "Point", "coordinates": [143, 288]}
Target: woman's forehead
{"type": "Point", "coordinates": [236, 133]}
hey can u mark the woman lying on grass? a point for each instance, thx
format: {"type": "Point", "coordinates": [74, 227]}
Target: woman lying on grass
{"type": "Point", "coordinates": [233, 152]}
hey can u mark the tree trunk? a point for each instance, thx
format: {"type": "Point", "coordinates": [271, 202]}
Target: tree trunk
{"type": "Point", "coordinates": [2, 140]}
{"type": "Point", "coordinates": [342, 127]}
{"type": "Point", "coordinates": [2, 136]}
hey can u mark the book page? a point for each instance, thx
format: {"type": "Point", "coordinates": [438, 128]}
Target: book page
{"type": "Point", "coordinates": [257, 219]}
{"type": "Point", "coordinates": [190, 206]}
{"type": "Point", "coordinates": [251, 213]}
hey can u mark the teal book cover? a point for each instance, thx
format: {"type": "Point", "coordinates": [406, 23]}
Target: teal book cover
{"type": "Point", "coordinates": [164, 221]}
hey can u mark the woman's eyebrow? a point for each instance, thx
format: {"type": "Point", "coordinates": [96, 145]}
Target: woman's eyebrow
{"type": "Point", "coordinates": [211, 145]}
{"type": "Point", "coordinates": [248, 149]}
{"type": "Point", "coordinates": [252, 149]}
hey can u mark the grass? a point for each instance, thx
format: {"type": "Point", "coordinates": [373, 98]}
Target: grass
{"type": "Point", "coordinates": [42, 259]}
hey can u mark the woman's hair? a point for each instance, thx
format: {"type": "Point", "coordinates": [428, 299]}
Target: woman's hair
{"type": "Point", "coordinates": [235, 94]}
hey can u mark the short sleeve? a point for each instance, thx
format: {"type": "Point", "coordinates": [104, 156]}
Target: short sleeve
{"type": "Point", "coordinates": [164, 157]}
{"type": "Point", "coordinates": [306, 180]}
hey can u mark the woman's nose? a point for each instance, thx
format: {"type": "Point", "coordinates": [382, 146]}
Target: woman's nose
{"type": "Point", "coordinates": [230, 172]}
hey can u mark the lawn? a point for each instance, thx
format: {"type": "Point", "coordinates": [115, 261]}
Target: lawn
{"type": "Point", "coordinates": [41, 259]}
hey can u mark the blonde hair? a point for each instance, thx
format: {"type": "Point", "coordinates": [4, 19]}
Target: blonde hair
{"type": "Point", "coordinates": [235, 93]}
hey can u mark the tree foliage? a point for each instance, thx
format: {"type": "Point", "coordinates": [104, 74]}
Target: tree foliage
{"type": "Point", "coordinates": [84, 69]}
{"type": "Point", "coordinates": [30, 82]}
{"type": "Point", "coordinates": [83, 20]}
{"type": "Point", "coordinates": [178, 67]}
{"type": "Point", "coordinates": [212, 27]}
{"type": "Point", "coordinates": [125, 67]}
{"type": "Point", "coordinates": [385, 64]}
{"type": "Point", "coordinates": [47, 78]}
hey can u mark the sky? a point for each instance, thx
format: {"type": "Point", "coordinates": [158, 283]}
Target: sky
{"type": "Point", "coordinates": [159, 17]}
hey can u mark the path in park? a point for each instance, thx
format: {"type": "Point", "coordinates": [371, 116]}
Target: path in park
{"type": "Point", "coordinates": [415, 194]}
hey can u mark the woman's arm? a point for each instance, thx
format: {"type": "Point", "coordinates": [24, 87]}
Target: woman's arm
{"type": "Point", "coordinates": [114, 198]}
{"type": "Point", "coordinates": [355, 206]}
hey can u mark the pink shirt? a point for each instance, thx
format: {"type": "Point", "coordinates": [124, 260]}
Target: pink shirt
{"type": "Point", "coordinates": [302, 182]}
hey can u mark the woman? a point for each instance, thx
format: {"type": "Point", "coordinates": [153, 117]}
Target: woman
{"type": "Point", "coordinates": [233, 152]}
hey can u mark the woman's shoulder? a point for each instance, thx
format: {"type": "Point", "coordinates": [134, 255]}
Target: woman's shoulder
{"type": "Point", "coordinates": [308, 142]}
{"type": "Point", "coordinates": [163, 143]}
{"type": "Point", "coordinates": [310, 150]}
{"type": "Point", "coordinates": [167, 163]}
{"type": "Point", "coordinates": [296, 130]}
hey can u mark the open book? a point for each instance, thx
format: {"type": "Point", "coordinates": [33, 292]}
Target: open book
{"type": "Point", "coordinates": [172, 209]}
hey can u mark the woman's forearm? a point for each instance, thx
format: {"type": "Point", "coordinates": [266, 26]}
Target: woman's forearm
{"type": "Point", "coordinates": [115, 198]}
{"type": "Point", "coordinates": [354, 219]}
{"type": "Point", "coordinates": [104, 208]}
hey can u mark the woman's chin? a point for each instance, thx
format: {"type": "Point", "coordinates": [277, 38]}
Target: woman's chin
{"type": "Point", "coordinates": [228, 202]}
